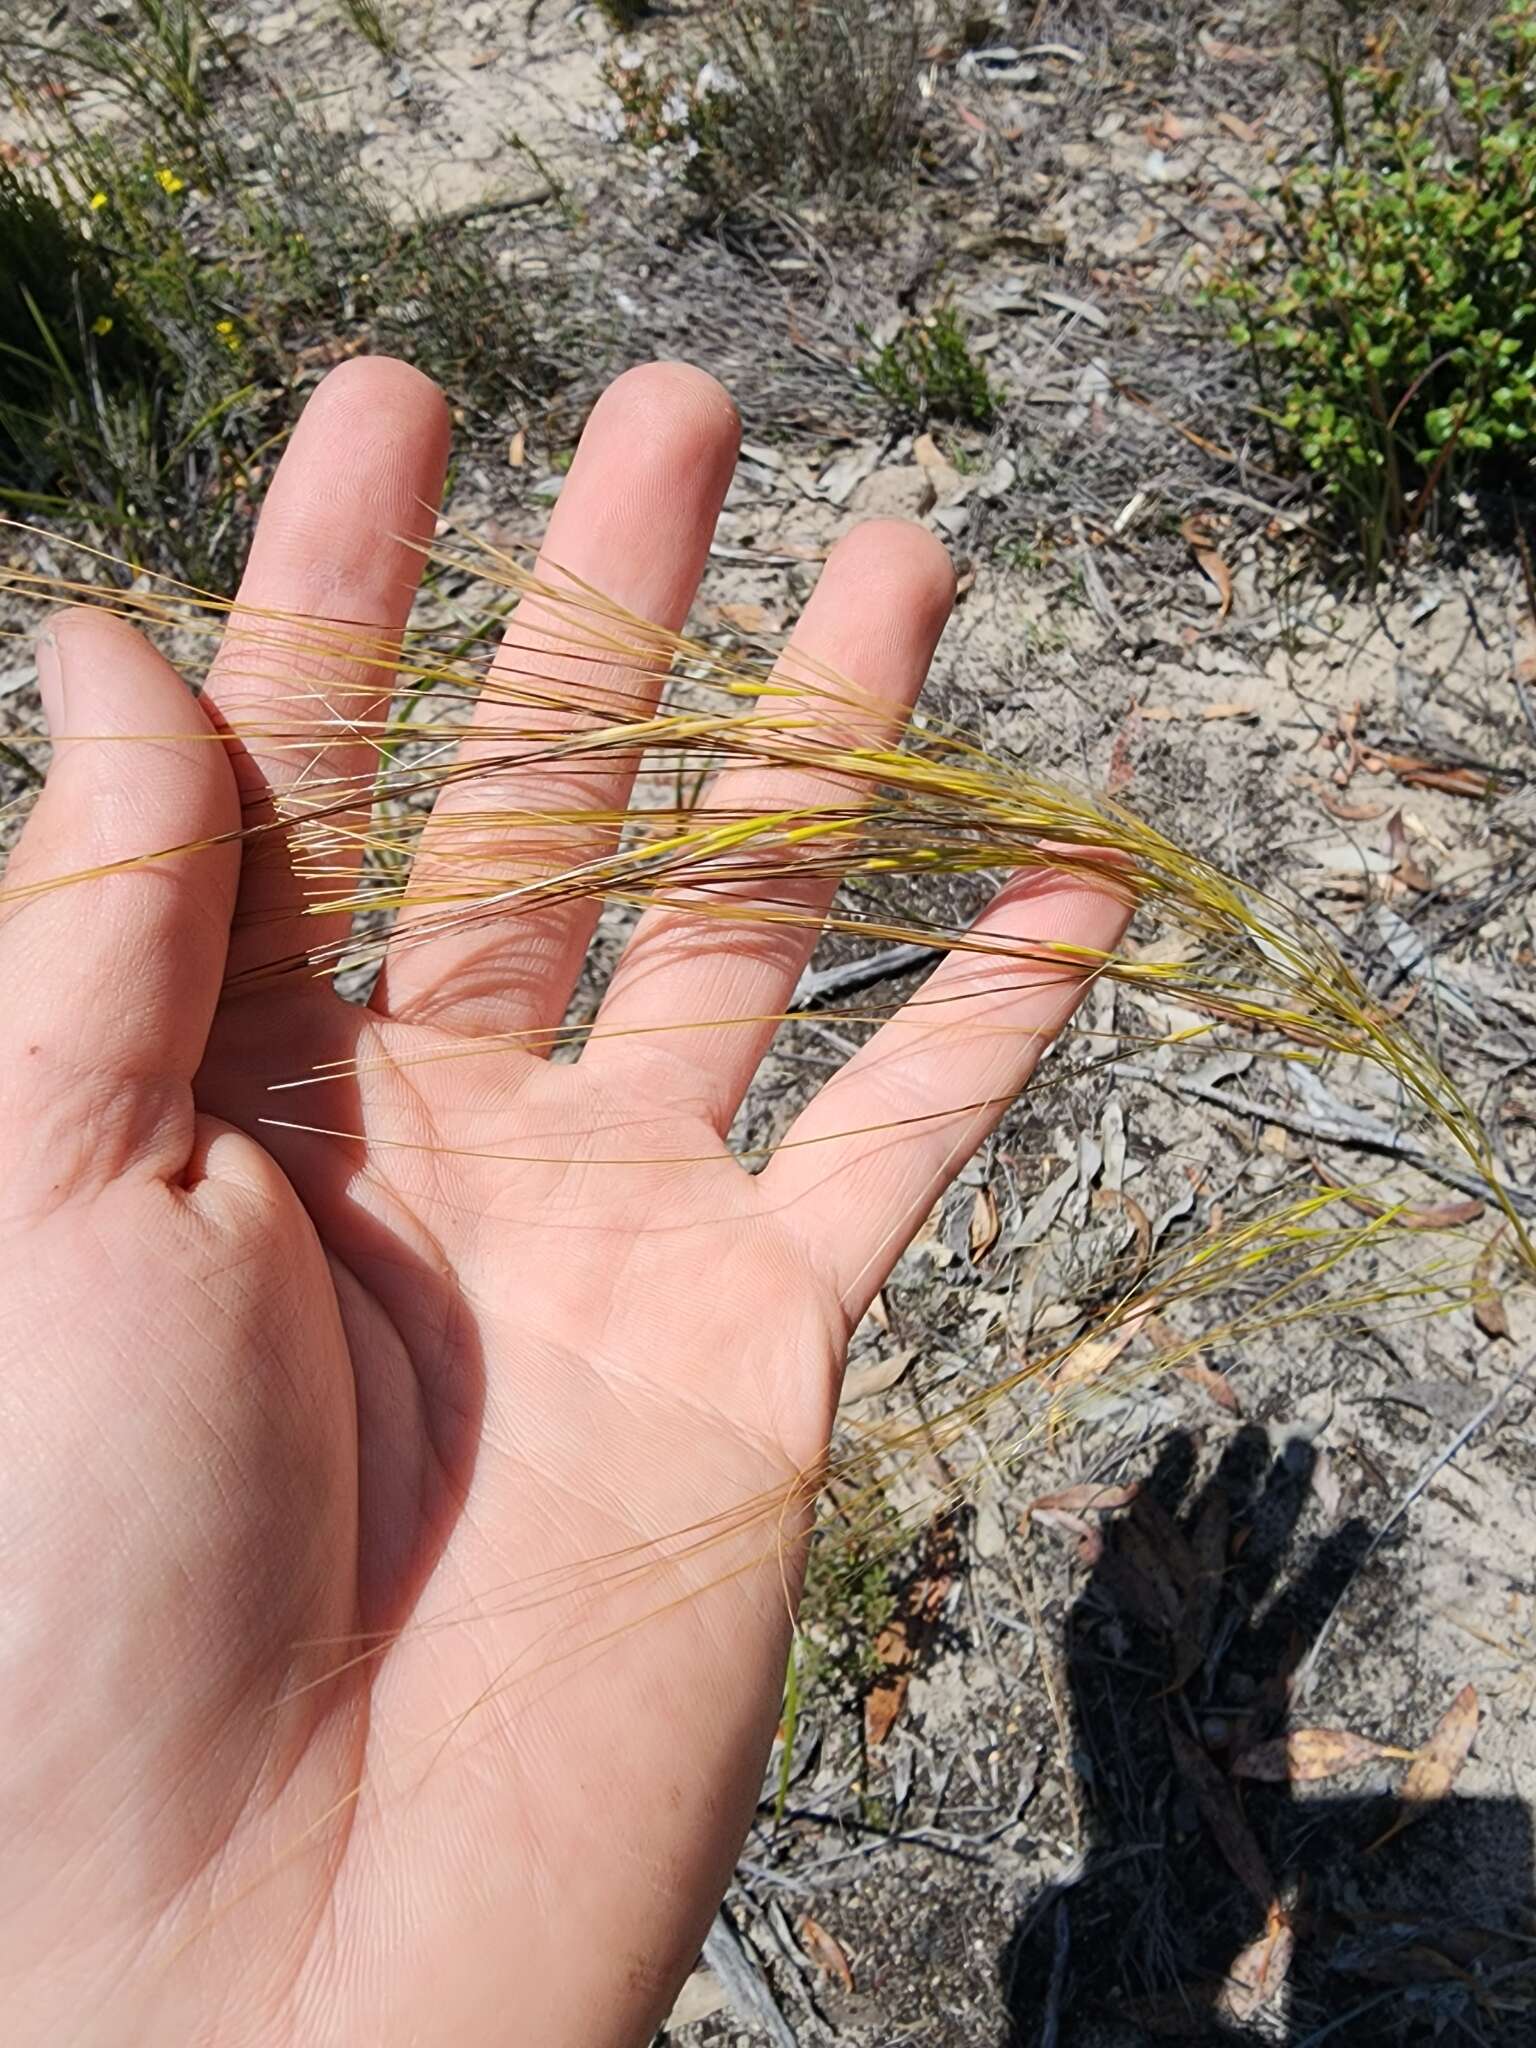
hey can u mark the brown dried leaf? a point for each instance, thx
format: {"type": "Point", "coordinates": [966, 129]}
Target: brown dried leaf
{"type": "Point", "coordinates": [1167, 130]}
{"type": "Point", "coordinates": [517, 450]}
{"type": "Point", "coordinates": [1087, 1360]}
{"type": "Point", "coordinates": [748, 618]}
{"type": "Point", "coordinates": [883, 1701]}
{"type": "Point", "coordinates": [1144, 1593]}
{"type": "Point", "coordinates": [1088, 1493]}
{"type": "Point", "coordinates": [825, 1950]}
{"type": "Point", "coordinates": [1258, 1974]}
{"type": "Point", "coordinates": [1208, 1546]}
{"type": "Point", "coordinates": [1211, 712]}
{"type": "Point", "coordinates": [1488, 1310]}
{"type": "Point", "coordinates": [1202, 545]}
{"type": "Point", "coordinates": [1351, 814]}
{"type": "Point", "coordinates": [1404, 866]}
{"type": "Point", "coordinates": [1151, 1519]}
{"type": "Point", "coordinates": [1431, 1216]}
{"type": "Point", "coordinates": [1236, 53]}
{"type": "Point", "coordinates": [1211, 1382]}
{"type": "Point", "coordinates": [877, 1377]}
{"type": "Point", "coordinates": [927, 453]}
{"type": "Point", "coordinates": [1417, 1963]}
{"type": "Point", "coordinates": [1490, 1314]}
{"type": "Point", "coordinates": [985, 1225]}
{"type": "Point", "coordinates": [1150, 1568]}
{"type": "Point", "coordinates": [1094, 1355]}
{"type": "Point", "coordinates": [918, 1610]}
{"type": "Point", "coordinates": [1241, 131]}
{"type": "Point", "coordinates": [1438, 1764]}
{"type": "Point", "coordinates": [1219, 1810]}
{"type": "Point", "coordinates": [1441, 1215]}
{"type": "Point", "coordinates": [1308, 1754]}
{"type": "Point", "coordinates": [1471, 782]}
{"type": "Point", "coordinates": [1131, 1209]}
{"type": "Point", "coordinates": [1090, 1545]}
{"type": "Point", "coordinates": [1121, 772]}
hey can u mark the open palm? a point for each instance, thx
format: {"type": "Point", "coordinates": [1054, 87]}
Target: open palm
{"type": "Point", "coordinates": [400, 1526]}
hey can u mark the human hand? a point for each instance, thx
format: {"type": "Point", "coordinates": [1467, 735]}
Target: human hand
{"type": "Point", "coordinates": [392, 1645]}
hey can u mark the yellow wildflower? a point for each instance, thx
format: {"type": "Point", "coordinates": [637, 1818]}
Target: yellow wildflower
{"type": "Point", "coordinates": [168, 181]}
{"type": "Point", "coordinates": [102, 324]}
{"type": "Point", "coordinates": [98, 201]}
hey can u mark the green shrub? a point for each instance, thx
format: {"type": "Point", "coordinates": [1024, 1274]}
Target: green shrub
{"type": "Point", "coordinates": [928, 372]}
{"type": "Point", "coordinates": [1391, 317]}
{"type": "Point", "coordinates": [784, 99]}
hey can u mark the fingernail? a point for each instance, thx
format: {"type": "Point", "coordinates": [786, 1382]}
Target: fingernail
{"type": "Point", "coordinates": [50, 682]}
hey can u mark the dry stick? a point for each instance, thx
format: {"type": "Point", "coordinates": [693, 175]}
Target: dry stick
{"type": "Point", "coordinates": [1061, 1950]}
{"type": "Point", "coordinates": [1307, 1669]}
{"type": "Point", "coordinates": [1338, 1125]}
{"type": "Point", "coordinates": [753, 558]}
{"type": "Point", "coordinates": [825, 984]}
{"type": "Point", "coordinates": [1054, 1699]}
{"type": "Point", "coordinates": [746, 1986]}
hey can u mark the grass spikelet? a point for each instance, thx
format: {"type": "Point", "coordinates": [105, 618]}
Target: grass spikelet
{"type": "Point", "coordinates": [473, 712]}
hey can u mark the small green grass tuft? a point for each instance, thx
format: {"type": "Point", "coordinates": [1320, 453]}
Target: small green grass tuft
{"type": "Point", "coordinates": [927, 372]}
{"type": "Point", "coordinates": [782, 100]}
{"type": "Point", "coordinates": [156, 59]}
{"type": "Point", "coordinates": [1391, 316]}
{"type": "Point", "coordinates": [375, 23]}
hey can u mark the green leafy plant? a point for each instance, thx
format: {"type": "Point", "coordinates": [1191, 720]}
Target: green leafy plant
{"type": "Point", "coordinates": [782, 99]}
{"type": "Point", "coordinates": [927, 372]}
{"type": "Point", "coordinates": [1390, 317]}
{"type": "Point", "coordinates": [849, 1597]}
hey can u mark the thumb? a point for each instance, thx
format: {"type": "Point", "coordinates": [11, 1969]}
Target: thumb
{"type": "Point", "coordinates": [114, 916]}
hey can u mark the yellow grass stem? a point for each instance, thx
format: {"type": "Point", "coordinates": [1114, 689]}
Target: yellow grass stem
{"type": "Point", "coordinates": [570, 688]}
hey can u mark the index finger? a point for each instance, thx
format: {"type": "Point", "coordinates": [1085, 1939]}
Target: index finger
{"type": "Point", "coordinates": [307, 659]}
